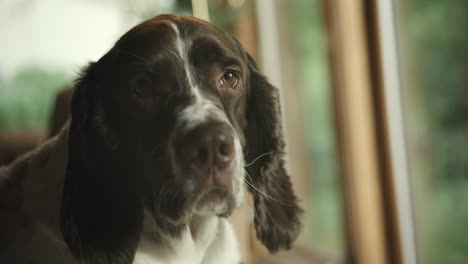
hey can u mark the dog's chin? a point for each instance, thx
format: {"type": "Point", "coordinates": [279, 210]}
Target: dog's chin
{"type": "Point", "coordinates": [215, 202]}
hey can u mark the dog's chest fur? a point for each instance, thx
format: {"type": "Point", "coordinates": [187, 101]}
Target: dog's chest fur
{"type": "Point", "coordinates": [208, 240]}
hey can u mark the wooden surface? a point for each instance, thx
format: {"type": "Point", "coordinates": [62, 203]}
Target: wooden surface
{"type": "Point", "coordinates": [356, 130]}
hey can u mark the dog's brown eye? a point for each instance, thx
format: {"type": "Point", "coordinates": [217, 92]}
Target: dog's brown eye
{"type": "Point", "coordinates": [142, 87]}
{"type": "Point", "coordinates": [229, 79]}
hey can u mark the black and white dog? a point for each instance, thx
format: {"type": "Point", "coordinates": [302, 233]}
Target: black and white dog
{"type": "Point", "coordinates": [154, 158]}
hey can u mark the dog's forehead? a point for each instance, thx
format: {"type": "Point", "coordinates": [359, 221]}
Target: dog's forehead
{"type": "Point", "coordinates": [162, 33]}
{"type": "Point", "coordinates": [190, 27]}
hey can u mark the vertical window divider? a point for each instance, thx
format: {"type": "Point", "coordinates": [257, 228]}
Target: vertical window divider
{"type": "Point", "coordinates": [391, 113]}
{"type": "Point", "coordinates": [357, 133]}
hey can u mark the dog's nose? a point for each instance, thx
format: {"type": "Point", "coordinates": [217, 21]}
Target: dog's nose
{"type": "Point", "coordinates": [209, 146]}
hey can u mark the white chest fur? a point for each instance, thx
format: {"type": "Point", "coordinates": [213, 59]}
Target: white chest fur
{"type": "Point", "coordinates": [209, 240]}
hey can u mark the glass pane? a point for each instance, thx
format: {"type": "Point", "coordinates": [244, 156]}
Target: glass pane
{"type": "Point", "coordinates": [434, 55]}
{"type": "Point", "coordinates": [308, 105]}
{"type": "Point", "coordinates": [308, 115]}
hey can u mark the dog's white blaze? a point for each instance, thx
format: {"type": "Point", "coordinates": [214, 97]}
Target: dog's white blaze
{"type": "Point", "coordinates": [203, 109]}
{"type": "Point", "coordinates": [239, 170]}
{"type": "Point", "coordinates": [197, 113]}
{"type": "Point", "coordinates": [182, 48]}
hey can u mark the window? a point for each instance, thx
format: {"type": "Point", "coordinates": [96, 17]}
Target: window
{"type": "Point", "coordinates": [433, 54]}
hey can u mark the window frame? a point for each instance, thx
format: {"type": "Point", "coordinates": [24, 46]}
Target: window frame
{"type": "Point", "coordinates": [359, 143]}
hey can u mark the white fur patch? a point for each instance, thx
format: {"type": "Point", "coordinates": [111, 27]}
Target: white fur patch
{"type": "Point", "coordinates": [203, 109]}
{"type": "Point", "coordinates": [240, 171]}
{"type": "Point", "coordinates": [212, 241]}
{"type": "Point", "coordinates": [182, 49]}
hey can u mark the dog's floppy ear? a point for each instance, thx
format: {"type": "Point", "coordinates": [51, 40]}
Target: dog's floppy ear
{"type": "Point", "coordinates": [101, 214]}
{"type": "Point", "coordinates": [277, 213]}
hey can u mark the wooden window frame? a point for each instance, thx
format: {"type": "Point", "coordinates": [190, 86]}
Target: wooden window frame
{"type": "Point", "coordinates": [365, 69]}
{"type": "Point", "coordinates": [357, 136]}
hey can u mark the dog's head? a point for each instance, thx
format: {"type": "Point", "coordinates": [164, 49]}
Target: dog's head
{"type": "Point", "coordinates": [167, 121]}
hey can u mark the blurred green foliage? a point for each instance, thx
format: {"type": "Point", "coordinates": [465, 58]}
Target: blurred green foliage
{"type": "Point", "coordinates": [434, 44]}
{"type": "Point", "coordinates": [225, 16]}
{"type": "Point", "coordinates": [325, 224]}
{"type": "Point", "coordinates": [181, 7]}
{"type": "Point", "coordinates": [27, 97]}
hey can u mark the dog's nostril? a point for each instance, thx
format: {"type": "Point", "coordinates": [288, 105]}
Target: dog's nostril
{"type": "Point", "coordinates": [201, 155]}
{"type": "Point", "coordinates": [209, 146]}
{"type": "Point", "coordinates": [226, 149]}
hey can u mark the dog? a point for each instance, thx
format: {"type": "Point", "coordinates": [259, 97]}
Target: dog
{"type": "Point", "coordinates": [165, 130]}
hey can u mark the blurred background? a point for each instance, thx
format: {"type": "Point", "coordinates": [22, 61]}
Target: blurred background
{"type": "Point", "coordinates": [375, 96]}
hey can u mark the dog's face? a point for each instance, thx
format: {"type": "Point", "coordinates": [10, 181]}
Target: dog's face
{"type": "Point", "coordinates": [165, 122]}
{"type": "Point", "coordinates": [175, 98]}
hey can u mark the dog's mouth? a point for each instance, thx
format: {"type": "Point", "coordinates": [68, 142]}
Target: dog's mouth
{"type": "Point", "coordinates": [206, 188]}
{"type": "Point", "coordinates": [216, 201]}
{"type": "Point", "coordinates": [215, 195]}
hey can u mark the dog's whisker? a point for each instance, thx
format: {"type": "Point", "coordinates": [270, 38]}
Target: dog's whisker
{"type": "Point", "coordinates": [263, 193]}
{"type": "Point", "coordinates": [250, 199]}
{"type": "Point", "coordinates": [266, 195]}
{"type": "Point", "coordinates": [247, 173]}
{"type": "Point", "coordinates": [257, 158]}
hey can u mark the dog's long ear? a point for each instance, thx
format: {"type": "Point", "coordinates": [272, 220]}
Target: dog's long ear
{"type": "Point", "coordinates": [276, 211]}
{"type": "Point", "coordinates": [101, 214]}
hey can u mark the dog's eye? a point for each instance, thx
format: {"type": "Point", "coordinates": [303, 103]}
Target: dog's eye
{"type": "Point", "coordinates": [229, 79]}
{"type": "Point", "coordinates": [142, 87]}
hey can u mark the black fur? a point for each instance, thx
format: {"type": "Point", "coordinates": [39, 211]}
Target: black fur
{"type": "Point", "coordinates": [101, 208]}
